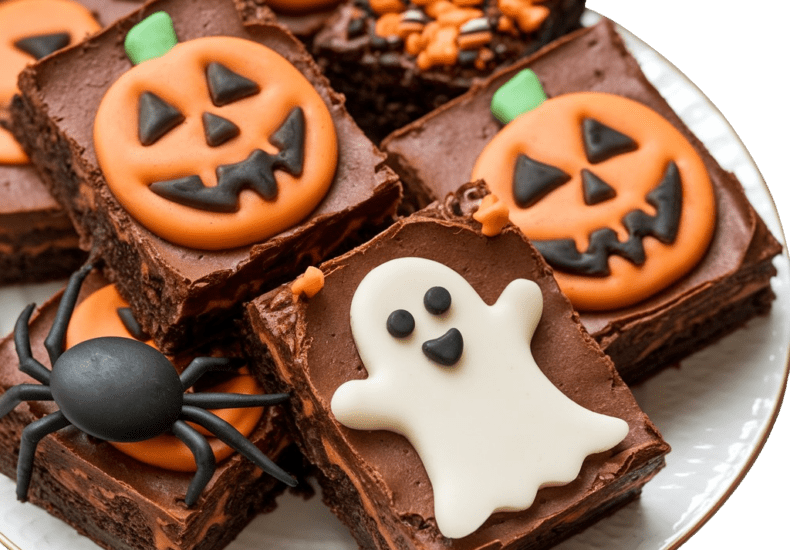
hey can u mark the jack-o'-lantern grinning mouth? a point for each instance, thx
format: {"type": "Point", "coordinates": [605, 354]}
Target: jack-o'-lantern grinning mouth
{"type": "Point", "coordinates": [667, 198]}
{"type": "Point", "coordinates": [256, 172]}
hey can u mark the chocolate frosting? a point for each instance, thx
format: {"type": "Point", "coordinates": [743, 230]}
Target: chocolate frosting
{"type": "Point", "coordinates": [591, 59]}
{"type": "Point", "coordinates": [312, 351]}
{"type": "Point", "coordinates": [178, 283]}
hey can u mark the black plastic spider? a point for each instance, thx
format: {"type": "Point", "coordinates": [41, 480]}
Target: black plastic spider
{"type": "Point", "coordinates": [122, 390]}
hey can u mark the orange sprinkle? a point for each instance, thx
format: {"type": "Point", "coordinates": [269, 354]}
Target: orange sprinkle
{"type": "Point", "coordinates": [387, 6]}
{"type": "Point", "coordinates": [435, 9]}
{"type": "Point", "coordinates": [493, 214]}
{"type": "Point", "coordinates": [308, 284]}
{"type": "Point", "coordinates": [505, 24]}
{"type": "Point", "coordinates": [458, 16]}
{"type": "Point", "coordinates": [474, 41]}
{"type": "Point", "coordinates": [387, 25]}
{"type": "Point", "coordinates": [528, 16]}
{"type": "Point", "coordinates": [484, 56]}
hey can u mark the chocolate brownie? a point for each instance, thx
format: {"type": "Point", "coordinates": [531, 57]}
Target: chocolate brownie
{"type": "Point", "coordinates": [37, 241]}
{"type": "Point", "coordinates": [304, 18]}
{"type": "Point", "coordinates": [716, 287]}
{"type": "Point", "coordinates": [350, 355]}
{"type": "Point", "coordinates": [184, 256]}
{"type": "Point", "coordinates": [121, 502]}
{"type": "Point", "coordinates": [396, 61]}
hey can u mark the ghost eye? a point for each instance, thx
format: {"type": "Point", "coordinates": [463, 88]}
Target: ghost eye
{"type": "Point", "coordinates": [400, 323]}
{"type": "Point", "coordinates": [437, 300]}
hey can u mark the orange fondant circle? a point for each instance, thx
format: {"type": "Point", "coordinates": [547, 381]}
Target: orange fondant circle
{"type": "Point", "coordinates": [22, 19]}
{"type": "Point", "coordinates": [301, 6]}
{"type": "Point", "coordinates": [96, 316]}
{"type": "Point", "coordinates": [10, 150]}
{"type": "Point", "coordinates": [551, 134]}
{"type": "Point", "coordinates": [179, 78]}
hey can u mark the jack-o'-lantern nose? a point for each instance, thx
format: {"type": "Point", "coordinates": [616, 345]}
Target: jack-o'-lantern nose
{"type": "Point", "coordinates": [446, 349]}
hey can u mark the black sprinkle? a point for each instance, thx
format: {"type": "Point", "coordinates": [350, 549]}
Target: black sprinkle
{"type": "Point", "coordinates": [226, 86]}
{"type": "Point", "coordinates": [218, 130]}
{"type": "Point", "coordinates": [602, 142]}
{"type": "Point", "coordinates": [356, 27]}
{"type": "Point", "coordinates": [445, 350]}
{"type": "Point", "coordinates": [156, 117]}
{"type": "Point", "coordinates": [467, 57]}
{"type": "Point", "coordinates": [400, 323]}
{"type": "Point", "coordinates": [437, 300]}
{"type": "Point", "coordinates": [43, 44]}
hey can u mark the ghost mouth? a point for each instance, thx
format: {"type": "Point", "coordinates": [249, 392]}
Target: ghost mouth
{"type": "Point", "coordinates": [446, 349]}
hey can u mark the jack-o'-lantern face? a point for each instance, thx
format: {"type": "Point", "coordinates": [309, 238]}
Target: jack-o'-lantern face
{"type": "Point", "coordinates": [301, 6]}
{"type": "Point", "coordinates": [615, 198]}
{"type": "Point", "coordinates": [218, 143]}
{"type": "Point", "coordinates": [104, 313]}
{"type": "Point", "coordinates": [30, 30]}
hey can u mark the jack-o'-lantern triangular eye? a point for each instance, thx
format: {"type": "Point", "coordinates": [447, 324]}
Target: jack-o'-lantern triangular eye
{"type": "Point", "coordinates": [42, 45]}
{"type": "Point", "coordinates": [226, 86]}
{"type": "Point", "coordinates": [602, 142]}
{"type": "Point", "coordinates": [595, 189]}
{"type": "Point", "coordinates": [156, 117]}
{"type": "Point", "coordinates": [218, 130]}
{"type": "Point", "coordinates": [533, 180]}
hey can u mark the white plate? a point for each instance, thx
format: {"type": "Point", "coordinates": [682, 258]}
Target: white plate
{"type": "Point", "coordinates": [715, 410]}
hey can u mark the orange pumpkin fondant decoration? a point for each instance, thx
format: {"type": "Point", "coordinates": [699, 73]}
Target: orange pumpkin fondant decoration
{"type": "Point", "coordinates": [30, 30]}
{"type": "Point", "coordinates": [615, 197]}
{"type": "Point", "coordinates": [105, 313]}
{"type": "Point", "coordinates": [217, 143]}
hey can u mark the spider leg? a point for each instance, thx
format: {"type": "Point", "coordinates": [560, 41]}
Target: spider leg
{"type": "Point", "coordinates": [231, 436]}
{"type": "Point", "coordinates": [55, 339]}
{"type": "Point", "coordinates": [31, 436]}
{"type": "Point", "coordinates": [27, 363]}
{"type": "Point", "coordinates": [204, 458]}
{"type": "Point", "coordinates": [23, 392]}
{"type": "Point", "coordinates": [209, 400]}
{"type": "Point", "coordinates": [201, 365]}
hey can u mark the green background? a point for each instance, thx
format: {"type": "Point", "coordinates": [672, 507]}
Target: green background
{"type": "Point", "coordinates": [736, 52]}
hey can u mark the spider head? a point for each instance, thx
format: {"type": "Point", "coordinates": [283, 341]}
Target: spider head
{"type": "Point", "coordinates": [117, 389]}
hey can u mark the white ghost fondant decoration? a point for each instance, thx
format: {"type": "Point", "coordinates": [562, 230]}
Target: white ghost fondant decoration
{"type": "Point", "coordinates": [456, 377]}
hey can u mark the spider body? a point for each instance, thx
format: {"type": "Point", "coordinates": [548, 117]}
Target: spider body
{"type": "Point", "coordinates": [91, 384]}
{"type": "Point", "coordinates": [122, 390]}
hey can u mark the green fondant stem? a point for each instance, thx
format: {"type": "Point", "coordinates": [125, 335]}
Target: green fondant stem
{"type": "Point", "coordinates": [152, 37]}
{"type": "Point", "coordinates": [518, 95]}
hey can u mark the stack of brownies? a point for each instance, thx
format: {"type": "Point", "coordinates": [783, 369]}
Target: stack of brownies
{"type": "Point", "coordinates": [438, 325]}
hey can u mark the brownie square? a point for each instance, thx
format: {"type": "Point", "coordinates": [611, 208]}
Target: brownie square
{"type": "Point", "coordinates": [728, 285]}
{"type": "Point", "coordinates": [393, 67]}
{"type": "Point", "coordinates": [37, 240]}
{"type": "Point", "coordinates": [179, 293]}
{"type": "Point", "coordinates": [120, 502]}
{"type": "Point", "coordinates": [304, 21]}
{"type": "Point", "coordinates": [374, 479]}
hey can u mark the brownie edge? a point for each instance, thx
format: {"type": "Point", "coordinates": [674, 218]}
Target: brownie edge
{"type": "Point", "coordinates": [373, 480]}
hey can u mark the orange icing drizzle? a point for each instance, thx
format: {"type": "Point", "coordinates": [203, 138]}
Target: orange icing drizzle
{"type": "Point", "coordinates": [95, 317]}
{"type": "Point", "coordinates": [179, 79]}
{"type": "Point", "coordinates": [439, 41]}
{"type": "Point", "coordinates": [22, 19]}
{"type": "Point", "coordinates": [493, 214]}
{"type": "Point", "coordinates": [301, 6]}
{"type": "Point", "coordinates": [308, 284]}
{"type": "Point", "coordinates": [551, 134]}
